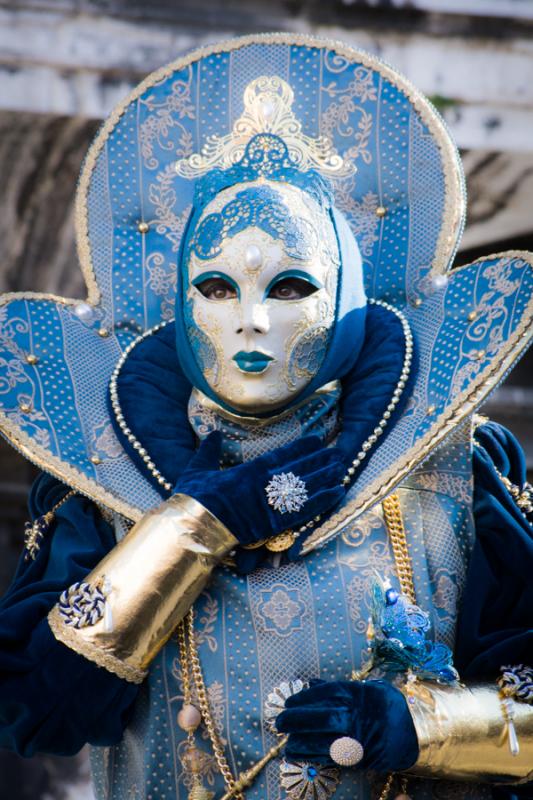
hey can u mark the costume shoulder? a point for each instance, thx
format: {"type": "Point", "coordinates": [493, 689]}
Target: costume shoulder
{"type": "Point", "coordinates": [495, 624]}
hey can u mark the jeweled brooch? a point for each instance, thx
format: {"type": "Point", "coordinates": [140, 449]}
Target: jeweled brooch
{"type": "Point", "coordinates": [82, 604]}
{"type": "Point", "coordinates": [34, 532]}
{"type": "Point", "coordinates": [304, 781]}
{"type": "Point", "coordinates": [286, 492]}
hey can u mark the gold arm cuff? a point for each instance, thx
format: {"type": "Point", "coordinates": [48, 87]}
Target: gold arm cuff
{"type": "Point", "coordinates": [462, 734]}
{"type": "Point", "coordinates": [154, 576]}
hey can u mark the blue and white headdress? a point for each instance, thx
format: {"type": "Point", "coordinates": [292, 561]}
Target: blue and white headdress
{"type": "Point", "coordinates": [404, 205]}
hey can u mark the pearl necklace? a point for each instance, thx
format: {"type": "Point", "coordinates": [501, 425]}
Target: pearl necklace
{"type": "Point", "coordinates": [285, 539]}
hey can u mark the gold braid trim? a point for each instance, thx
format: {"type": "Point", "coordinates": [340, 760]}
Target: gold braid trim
{"type": "Point", "coordinates": [66, 635]}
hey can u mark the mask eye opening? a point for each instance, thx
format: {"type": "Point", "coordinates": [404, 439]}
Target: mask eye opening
{"type": "Point", "coordinates": [211, 284]}
{"type": "Point", "coordinates": [292, 285]}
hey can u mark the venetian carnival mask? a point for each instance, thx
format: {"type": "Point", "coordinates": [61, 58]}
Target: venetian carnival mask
{"type": "Point", "coordinates": [262, 273]}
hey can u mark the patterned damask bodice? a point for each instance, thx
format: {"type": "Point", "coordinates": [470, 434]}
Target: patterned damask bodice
{"type": "Point", "coordinates": [301, 620]}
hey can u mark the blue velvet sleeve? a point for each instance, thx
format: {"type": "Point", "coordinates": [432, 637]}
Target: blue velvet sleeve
{"type": "Point", "coordinates": [51, 699]}
{"type": "Point", "coordinates": [495, 625]}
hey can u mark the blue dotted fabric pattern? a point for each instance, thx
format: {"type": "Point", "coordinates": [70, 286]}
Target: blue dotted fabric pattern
{"type": "Point", "coordinates": [299, 621]}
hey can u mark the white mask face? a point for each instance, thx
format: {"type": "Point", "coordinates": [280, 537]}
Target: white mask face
{"type": "Point", "coordinates": [259, 312]}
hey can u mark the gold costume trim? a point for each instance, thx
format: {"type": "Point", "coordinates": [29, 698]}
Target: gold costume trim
{"type": "Point", "coordinates": [154, 575]}
{"type": "Point", "coordinates": [462, 734]}
{"type": "Point", "coordinates": [69, 637]}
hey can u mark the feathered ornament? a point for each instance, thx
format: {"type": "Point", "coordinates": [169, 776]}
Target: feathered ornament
{"type": "Point", "coordinates": [399, 639]}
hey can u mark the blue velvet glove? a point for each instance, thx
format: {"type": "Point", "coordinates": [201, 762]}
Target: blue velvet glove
{"type": "Point", "coordinates": [237, 496]}
{"type": "Point", "coordinates": [373, 712]}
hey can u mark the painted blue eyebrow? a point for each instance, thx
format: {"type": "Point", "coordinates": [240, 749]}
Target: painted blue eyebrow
{"type": "Point", "coordinates": [293, 273]}
{"type": "Point", "coordinates": [213, 274]}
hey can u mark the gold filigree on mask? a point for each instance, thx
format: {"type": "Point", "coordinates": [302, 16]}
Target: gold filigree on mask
{"type": "Point", "coordinates": [267, 109]}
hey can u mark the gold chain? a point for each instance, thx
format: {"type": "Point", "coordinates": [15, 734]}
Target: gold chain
{"type": "Point", "coordinates": [205, 710]}
{"type": "Point", "coordinates": [392, 513]}
{"type": "Point", "coordinates": [189, 655]}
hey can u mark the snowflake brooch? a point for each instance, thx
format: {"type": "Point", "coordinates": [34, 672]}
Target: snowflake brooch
{"type": "Point", "coordinates": [286, 492]}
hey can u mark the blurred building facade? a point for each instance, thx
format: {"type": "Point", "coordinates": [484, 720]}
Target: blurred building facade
{"type": "Point", "coordinates": [64, 64]}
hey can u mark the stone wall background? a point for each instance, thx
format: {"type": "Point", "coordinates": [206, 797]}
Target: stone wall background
{"type": "Point", "coordinates": [65, 63]}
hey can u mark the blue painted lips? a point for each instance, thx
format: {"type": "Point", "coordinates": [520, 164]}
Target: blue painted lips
{"type": "Point", "coordinates": [252, 362]}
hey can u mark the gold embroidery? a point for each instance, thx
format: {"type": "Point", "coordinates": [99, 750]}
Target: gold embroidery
{"type": "Point", "coordinates": [92, 651]}
{"type": "Point", "coordinates": [267, 109]}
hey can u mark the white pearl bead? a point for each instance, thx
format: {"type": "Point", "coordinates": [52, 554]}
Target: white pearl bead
{"type": "Point", "coordinates": [189, 717]}
{"type": "Point", "coordinates": [439, 281]}
{"type": "Point", "coordinates": [253, 256]}
{"type": "Point", "coordinates": [268, 108]}
{"type": "Point", "coordinates": [84, 312]}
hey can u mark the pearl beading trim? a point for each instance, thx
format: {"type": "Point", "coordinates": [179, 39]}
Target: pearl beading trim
{"type": "Point", "coordinates": [367, 445]}
{"type": "Point", "coordinates": [119, 416]}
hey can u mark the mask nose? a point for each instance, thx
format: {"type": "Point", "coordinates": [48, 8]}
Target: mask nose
{"type": "Point", "coordinates": [253, 318]}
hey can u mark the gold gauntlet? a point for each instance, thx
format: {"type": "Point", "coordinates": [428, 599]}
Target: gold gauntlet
{"type": "Point", "coordinates": [129, 605]}
{"type": "Point", "coordinates": [462, 734]}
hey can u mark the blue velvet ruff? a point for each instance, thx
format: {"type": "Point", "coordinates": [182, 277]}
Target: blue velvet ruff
{"type": "Point", "coordinates": [153, 393]}
{"type": "Point", "coordinates": [368, 388]}
{"type": "Point", "coordinates": [495, 626]}
{"type": "Point", "coordinates": [51, 698]}
{"type": "Point", "coordinates": [373, 712]}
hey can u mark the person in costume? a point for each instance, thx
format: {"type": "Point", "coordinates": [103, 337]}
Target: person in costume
{"type": "Point", "coordinates": [268, 572]}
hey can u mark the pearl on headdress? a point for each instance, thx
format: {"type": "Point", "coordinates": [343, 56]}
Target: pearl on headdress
{"type": "Point", "coordinates": [439, 281]}
{"type": "Point", "coordinates": [253, 256]}
{"type": "Point", "coordinates": [84, 312]}
{"type": "Point", "coordinates": [268, 108]}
